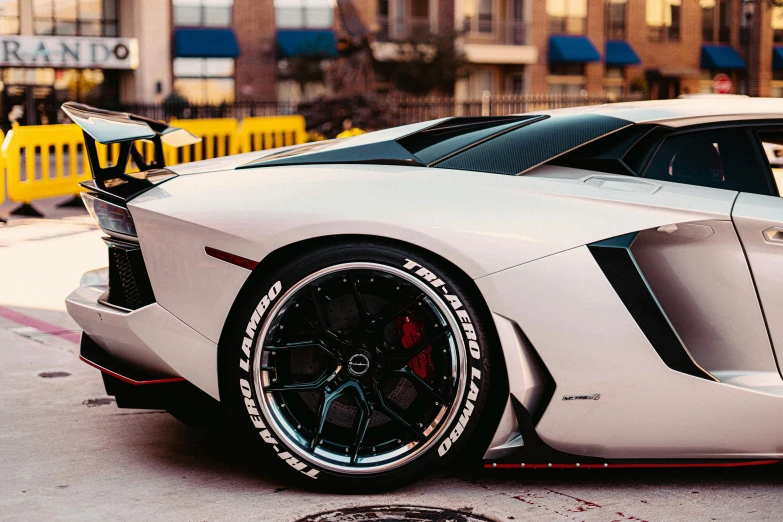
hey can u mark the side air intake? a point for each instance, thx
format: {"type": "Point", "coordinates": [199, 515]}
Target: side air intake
{"type": "Point", "coordinates": [617, 262]}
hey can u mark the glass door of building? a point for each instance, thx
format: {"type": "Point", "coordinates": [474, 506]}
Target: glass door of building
{"type": "Point", "coordinates": [28, 105]}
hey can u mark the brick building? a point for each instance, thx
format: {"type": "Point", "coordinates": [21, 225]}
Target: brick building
{"type": "Point", "coordinates": [666, 47]}
{"type": "Point", "coordinates": [110, 52]}
{"type": "Point", "coordinates": [223, 51]}
{"type": "Point", "coordinates": [234, 50]}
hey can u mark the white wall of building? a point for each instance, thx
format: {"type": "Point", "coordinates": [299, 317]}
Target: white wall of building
{"type": "Point", "coordinates": [150, 22]}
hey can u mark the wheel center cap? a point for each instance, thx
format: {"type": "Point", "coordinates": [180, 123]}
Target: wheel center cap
{"type": "Point", "coordinates": [358, 364]}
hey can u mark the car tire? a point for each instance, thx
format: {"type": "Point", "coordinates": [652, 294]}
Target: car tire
{"type": "Point", "coordinates": [360, 366]}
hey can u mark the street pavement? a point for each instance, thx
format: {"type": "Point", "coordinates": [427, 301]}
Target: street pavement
{"type": "Point", "coordinates": [67, 452]}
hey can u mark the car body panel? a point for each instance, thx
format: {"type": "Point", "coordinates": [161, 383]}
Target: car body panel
{"type": "Point", "coordinates": [149, 338]}
{"type": "Point", "coordinates": [757, 219]}
{"type": "Point", "coordinates": [591, 345]}
{"type": "Point", "coordinates": [699, 274]}
{"type": "Point", "coordinates": [681, 113]}
{"type": "Point", "coordinates": [502, 221]}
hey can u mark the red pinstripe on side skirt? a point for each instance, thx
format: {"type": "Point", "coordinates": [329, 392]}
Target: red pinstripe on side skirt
{"type": "Point", "coordinates": [635, 465]}
{"type": "Point", "coordinates": [128, 379]}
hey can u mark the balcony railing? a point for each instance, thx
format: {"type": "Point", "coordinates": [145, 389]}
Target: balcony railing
{"type": "Point", "coordinates": [502, 32]}
{"type": "Point", "coordinates": [400, 29]}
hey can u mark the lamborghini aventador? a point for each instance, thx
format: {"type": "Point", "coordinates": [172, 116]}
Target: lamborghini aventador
{"type": "Point", "coordinates": [583, 288]}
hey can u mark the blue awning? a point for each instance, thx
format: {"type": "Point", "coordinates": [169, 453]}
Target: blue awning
{"type": "Point", "coordinates": [777, 58]}
{"type": "Point", "coordinates": [202, 42]}
{"type": "Point", "coordinates": [305, 42]}
{"type": "Point", "coordinates": [620, 52]}
{"type": "Point", "coordinates": [720, 57]}
{"type": "Point", "coordinates": [572, 49]}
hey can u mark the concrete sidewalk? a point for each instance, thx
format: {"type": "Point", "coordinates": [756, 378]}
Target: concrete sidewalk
{"type": "Point", "coordinates": [67, 452]}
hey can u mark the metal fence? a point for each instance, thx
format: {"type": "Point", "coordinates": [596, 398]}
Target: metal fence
{"type": "Point", "coordinates": [186, 111]}
{"type": "Point", "coordinates": [372, 111]}
{"type": "Point", "coordinates": [404, 109]}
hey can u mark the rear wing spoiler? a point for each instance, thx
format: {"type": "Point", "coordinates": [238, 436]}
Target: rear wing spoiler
{"type": "Point", "coordinates": [110, 127]}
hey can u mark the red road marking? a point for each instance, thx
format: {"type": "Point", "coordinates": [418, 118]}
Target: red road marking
{"type": "Point", "coordinates": [41, 326]}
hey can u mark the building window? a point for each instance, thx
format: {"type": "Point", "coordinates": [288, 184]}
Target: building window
{"type": "Point", "coordinates": [75, 17]}
{"type": "Point", "coordinates": [480, 81]}
{"type": "Point", "coordinates": [567, 16]}
{"type": "Point", "coordinates": [615, 19]}
{"type": "Point", "coordinates": [777, 23]}
{"type": "Point", "coordinates": [746, 18]}
{"type": "Point", "coordinates": [566, 79]}
{"type": "Point", "coordinates": [305, 14]}
{"type": "Point", "coordinates": [417, 25]}
{"type": "Point", "coordinates": [402, 19]}
{"type": "Point", "coordinates": [479, 15]}
{"type": "Point", "coordinates": [9, 16]}
{"type": "Point", "coordinates": [614, 82]}
{"type": "Point", "coordinates": [663, 20]}
{"type": "Point", "coordinates": [486, 13]}
{"type": "Point", "coordinates": [707, 20]}
{"type": "Point", "coordinates": [777, 83]}
{"type": "Point", "coordinates": [724, 29]}
{"type": "Point", "coordinates": [382, 19]}
{"type": "Point", "coordinates": [205, 81]}
{"type": "Point", "coordinates": [203, 13]}
{"type": "Point", "coordinates": [516, 83]}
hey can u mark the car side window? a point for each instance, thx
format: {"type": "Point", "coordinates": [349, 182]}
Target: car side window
{"type": "Point", "coordinates": [718, 158]}
{"type": "Point", "coordinates": [772, 143]}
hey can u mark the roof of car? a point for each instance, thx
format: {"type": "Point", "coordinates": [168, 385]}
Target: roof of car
{"type": "Point", "coordinates": [690, 111]}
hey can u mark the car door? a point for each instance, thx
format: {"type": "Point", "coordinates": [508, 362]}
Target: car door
{"type": "Point", "coordinates": [759, 222]}
{"type": "Point", "coordinates": [699, 271]}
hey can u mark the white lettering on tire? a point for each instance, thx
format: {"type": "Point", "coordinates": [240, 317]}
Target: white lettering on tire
{"type": "Point", "coordinates": [247, 389]}
{"type": "Point", "coordinates": [472, 343]}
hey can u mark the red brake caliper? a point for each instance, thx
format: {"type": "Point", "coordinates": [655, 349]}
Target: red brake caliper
{"type": "Point", "coordinates": [410, 328]}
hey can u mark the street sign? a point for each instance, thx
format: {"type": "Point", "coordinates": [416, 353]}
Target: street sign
{"type": "Point", "coordinates": [722, 84]}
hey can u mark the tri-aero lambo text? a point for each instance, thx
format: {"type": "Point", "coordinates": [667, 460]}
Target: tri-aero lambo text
{"type": "Point", "coordinates": [594, 287]}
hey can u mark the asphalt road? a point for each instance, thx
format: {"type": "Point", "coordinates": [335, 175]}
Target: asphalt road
{"type": "Point", "coordinates": [67, 453]}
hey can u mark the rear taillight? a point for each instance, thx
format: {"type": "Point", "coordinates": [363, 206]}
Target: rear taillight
{"type": "Point", "coordinates": [113, 219]}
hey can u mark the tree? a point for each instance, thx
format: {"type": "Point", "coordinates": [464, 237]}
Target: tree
{"type": "Point", "coordinates": [426, 62]}
{"type": "Point", "coordinates": [304, 70]}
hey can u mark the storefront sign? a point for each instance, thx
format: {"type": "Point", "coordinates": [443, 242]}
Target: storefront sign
{"type": "Point", "coordinates": [69, 51]}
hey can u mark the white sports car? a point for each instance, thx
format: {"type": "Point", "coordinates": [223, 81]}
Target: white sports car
{"type": "Point", "coordinates": [594, 287]}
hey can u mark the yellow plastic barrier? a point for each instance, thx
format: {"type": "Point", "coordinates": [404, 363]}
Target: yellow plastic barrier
{"type": "Point", "coordinates": [263, 133]}
{"type": "Point", "coordinates": [2, 174]}
{"type": "Point", "coordinates": [350, 133]}
{"type": "Point", "coordinates": [218, 138]}
{"type": "Point", "coordinates": [44, 161]}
